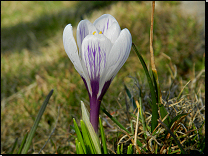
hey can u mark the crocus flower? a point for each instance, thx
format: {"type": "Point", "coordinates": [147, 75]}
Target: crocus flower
{"type": "Point", "coordinates": [103, 49]}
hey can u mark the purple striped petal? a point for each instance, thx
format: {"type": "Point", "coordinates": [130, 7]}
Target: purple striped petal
{"type": "Point", "coordinates": [84, 28]}
{"type": "Point", "coordinates": [95, 49]}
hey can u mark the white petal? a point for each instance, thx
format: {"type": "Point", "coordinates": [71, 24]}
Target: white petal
{"type": "Point", "coordinates": [119, 52]}
{"type": "Point", "coordinates": [113, 32]}
{"type": "Point", "coordinates": [104, 22]}
{"type": "Point", "coordinates": [84, 28]}
{"type": "Point", "coordinates": [117, 56]}
{"type": "Point", "coordinates": [95, 49]}
{"type": "Point", "coordinates": [71, 48]}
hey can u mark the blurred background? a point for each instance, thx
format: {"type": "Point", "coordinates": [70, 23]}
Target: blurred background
{"type": "Point", "coordinates": [33, 61]}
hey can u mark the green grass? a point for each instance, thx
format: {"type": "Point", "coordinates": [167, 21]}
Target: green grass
{"type": "Point", "coordinates": [33, 61]}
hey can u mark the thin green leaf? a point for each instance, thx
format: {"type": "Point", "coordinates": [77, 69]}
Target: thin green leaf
{"type": "Point", "coordinates": [140, 121]}
{"type": "Point", "coordinates": [155, 114]}
{"type": "Point", "coordinates": [87, 138]}
{"type": "Point", "coordinates": [142, 117]}
{"type": "Point", "coordinates": [176, 151]}
{"type": "Point", "coordinates": [129, 150]}
{"type": "Point", "coordinates": [114, 120]}
{"type": "Point", "coordinates": [149, 101]}
{"type": "Point", "coordinates": [118, 149]}
{"type": "Point", "coordinates": [79, 136]}
{"type": "Point", "coordinates": [72, 127]}
{"type": "Point", "coordinates": [202, 146]}
{"type": "Point", "coordinates": [77, 149]}
{"type": "Point", "coordinates": [156, 148]}
{"type": "Point", "coordinates": [121, 149]}
{"type": "Point", "coordinates": [23, 143]}
{"type": "Point", "coordinates": [169, 150]}
{"type": "Point", "coordinates": [103, 139]}
{"type": "Point", "coordinates": [130, 97]}
{"type": "Point", "coordinates": [163, 111]}
{"type": "Point", "coordinates": [176, 118]}
{"type": "Point", "coordinates": [14, 146]}
{"type": "Point", "coordinates": [140, 144]}
{"type": "Point", "coordinates": [133, 115]}
{"type": "Point", "coordinates": [80, 148]}
{"type": "Point", "coordinates": [177, 142]}
{"type": "Point", "coordinates": [136, 117]}
{"type": "Point", "coordinates": [155, 86]}
{"type": "Point", "coordinates": [35, 125]}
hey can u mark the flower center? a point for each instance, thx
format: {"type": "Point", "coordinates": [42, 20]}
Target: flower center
{"type": "Point", "coordinates": [95, 32]}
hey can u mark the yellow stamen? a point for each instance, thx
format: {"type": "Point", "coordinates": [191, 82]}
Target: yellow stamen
{"type": "Point", "coordinates": [94, 32]}
{"type": "Point", "coordinates": [100, 32]}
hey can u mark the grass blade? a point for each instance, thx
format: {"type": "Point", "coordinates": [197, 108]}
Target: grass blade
{"type": "Point", "coordinates": [118, 150]}
{"type": "Point", "coordinates": [14, 146]}
{"type": "Point", "coordinates": [154, 76]}
{"type": "Point", "coordinates": [129, 150]}
{"type": "Point", "coordinates": [35, 125]}
{"type": "Point", "coordinates": [177, 142]}
{"type": "Point", "coordinates": [114, 120]}
{"type": "Point", "coordinates": [169, 150]}
{"type": "Point", "coordinates": [176, 118]}
{"type": "Point", "coordinates": [80, 148]}
{"type": "Point", "coordinates": [77, 149]}
{"type": "Point", "coordinates": [163, 113]}
{"type": "Point", "coordinates": [23, 143]}
{"type": "Point", "coordinates": [202, 146]}
{"type": "Point", "coordinates": [155, 114]}
{"type": "Point", "coordinates": [142, 117]}
{"type": "Point", "coordinates": [130, 97]}
{"type": "Point", "coordinates": [103, 139]}
{"type": "Point", "coordinates": [121, 149]}
{"type": "Point", "coordinates": [180, 117]}
{"type": "Point", "coordinates": [176, 151]}
{"type": "Point", "coordinates": [162, 109]}
{"type": "Point", "coordinates": [79, 136]}
{"type": "Point", "coordinates": [87, 138]}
